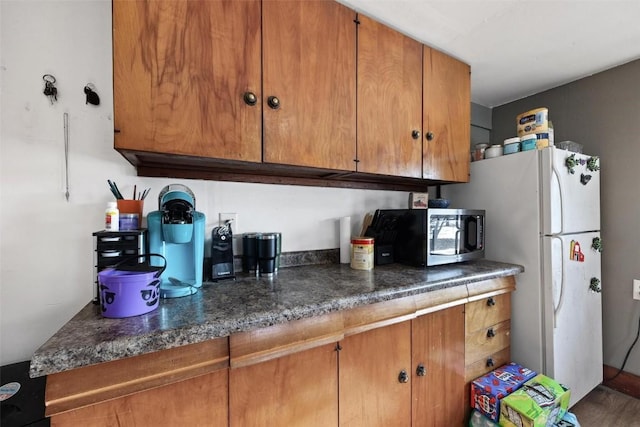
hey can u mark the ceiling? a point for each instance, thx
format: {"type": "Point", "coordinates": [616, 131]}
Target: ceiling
{"type": "Point", "coordinates": [518, 47]}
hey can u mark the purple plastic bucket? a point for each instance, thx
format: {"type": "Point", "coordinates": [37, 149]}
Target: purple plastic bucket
{"type": "Point", "coordinates": [126, 293]}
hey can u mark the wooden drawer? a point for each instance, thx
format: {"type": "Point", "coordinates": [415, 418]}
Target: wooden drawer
{"type": "Point", "coordinates": [487, 341]}
{"type": "Point", "coordinates": [485, 350]}
{"type": "Point", "coordinates": [486, 312]}
{"type": "Point", "coordinates": [487, 364]}
{"type": "Point", "coordinates": [480, 368]}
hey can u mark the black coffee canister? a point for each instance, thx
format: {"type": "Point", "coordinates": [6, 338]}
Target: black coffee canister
{"type": "Point", "coordinates": [278, 248]}
{"type": "Point", "coordinates": [250, 253]}
{"type": "Point", "coordinates": [267, 252]}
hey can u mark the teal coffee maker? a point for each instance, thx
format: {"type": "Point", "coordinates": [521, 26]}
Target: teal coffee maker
{"type": "Point", "coordinates": [176, 231]}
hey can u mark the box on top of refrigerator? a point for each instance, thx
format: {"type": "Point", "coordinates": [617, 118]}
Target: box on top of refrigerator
{"type": "Point", "coordinates": [540, 402]}
{"type": "Point", "coordinates": [533, 121]}
{"type": "Point", "coordinates": [487, 390]}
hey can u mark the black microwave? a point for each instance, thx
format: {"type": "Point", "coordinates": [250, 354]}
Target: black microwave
{"type": "Point", "coordinates": [426, 237]}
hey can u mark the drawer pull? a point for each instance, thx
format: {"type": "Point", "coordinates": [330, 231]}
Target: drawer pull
{"type": "Point", "coordinates": [403, 377]}
{"type": "Point", "coordinates": [489, 363]}
{"type": "Point", "coordinates": [491, 333]}
{"type": "Point", "coordinates": [421, 371]}
{"type": "Point", "coordinates": [491, 302]}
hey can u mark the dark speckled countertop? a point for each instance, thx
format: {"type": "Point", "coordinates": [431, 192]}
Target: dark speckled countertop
{"type": "Point", "coordinates": [223, 308]}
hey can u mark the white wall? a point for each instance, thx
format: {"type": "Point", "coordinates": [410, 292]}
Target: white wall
{"type": "Point", "coordinates": [46, 246]}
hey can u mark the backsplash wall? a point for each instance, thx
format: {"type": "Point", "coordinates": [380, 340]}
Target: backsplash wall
{"type": "Point", "coordinates": [46, 246]}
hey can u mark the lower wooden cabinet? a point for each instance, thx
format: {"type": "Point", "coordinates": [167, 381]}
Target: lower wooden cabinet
{"type": "Point", "coordinates": [407, 374]}
{"type": "Point", "coordinates": [199, 401]}
{"type": "Point", "coordinates": [185, 385]}
{"type": "Point", "coordinates": [375, 377]}
{"type": "Point", "coordinates": [438, 368]}
{"type": "Point", "coordinates": [300, 389]}
{"type": "Point", "coordinates": [394, 367]}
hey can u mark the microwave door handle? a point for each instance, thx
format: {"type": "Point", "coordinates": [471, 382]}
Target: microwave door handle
{"type": "Point", "coordinates": [467, 243]}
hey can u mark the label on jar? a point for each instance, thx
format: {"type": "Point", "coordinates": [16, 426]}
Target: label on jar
{"type": "Point", "coordinates": [362, 253]}
{"type": "Point", "coordinates": [128, 222]}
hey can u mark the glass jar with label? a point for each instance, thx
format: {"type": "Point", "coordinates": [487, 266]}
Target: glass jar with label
{"type": "Point", "coordinates": [362, 253]}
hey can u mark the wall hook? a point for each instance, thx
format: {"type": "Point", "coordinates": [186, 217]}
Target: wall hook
{"type": "Point", "coordinates": [49, 89]}
{"type": "Point", "coordinates": [92, 96]}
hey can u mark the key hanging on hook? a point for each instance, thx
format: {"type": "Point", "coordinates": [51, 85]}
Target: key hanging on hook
{"type": "Point", "coordinates": [49, 89]}
{"type": "Point", "coordinates": [92, 96]}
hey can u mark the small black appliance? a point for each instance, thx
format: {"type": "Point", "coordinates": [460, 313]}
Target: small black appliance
{"type": "Point", "coordinates": [222, 253]}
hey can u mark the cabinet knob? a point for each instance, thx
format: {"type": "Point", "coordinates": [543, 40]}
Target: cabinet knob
{"type": "Point", "coordinates": [421, 371]}
{"type": "Point", "coordinates": [489, 363]}
{"type": "Point", "coordinates": [403, 377]}
{"type": "Point", "coordinates": [491, 333]}
{"type": "Point", "coordinates": [273, 102]}
{"type": "Point", "coordinates": [415, 134]}
{"type": "Point", "coordinates": [491, 302]}
{"type": "Point", "coordinates": [250, 98]}
{"type": "Point", "coordinates": [430, 136]}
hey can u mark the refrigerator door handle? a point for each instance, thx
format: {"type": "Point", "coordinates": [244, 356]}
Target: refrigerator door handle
{"type": "Point", "coordinates": [556, 308]}
{"type": "Point", "coordinates": [557, 176]}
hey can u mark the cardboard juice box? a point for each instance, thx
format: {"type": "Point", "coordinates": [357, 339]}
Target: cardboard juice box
{"type": "Point", "coordinates": [540, 402]}
{"type": "Point", "coordinates": [487, 390]}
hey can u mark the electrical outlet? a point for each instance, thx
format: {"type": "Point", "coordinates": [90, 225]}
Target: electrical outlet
{"type": "Point", "coordinates": [636, 289]}
{"type": "Point", "coordinates": [224, 217]}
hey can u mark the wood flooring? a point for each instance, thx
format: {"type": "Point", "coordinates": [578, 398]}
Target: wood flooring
{"type": "Point", "coordinates": [604, 407]}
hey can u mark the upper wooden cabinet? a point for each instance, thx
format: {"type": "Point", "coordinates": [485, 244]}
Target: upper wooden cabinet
{"type": "Point", "coordinates": [447, 117]}
{"type": "Point", "coordinates": [264, 90]}
{"type": "Point", "coordinates": [309, 72]}
{"type": "Point", "coordinates": [389, 101]}
{"type": "Point", "coordinates": [181, 72]}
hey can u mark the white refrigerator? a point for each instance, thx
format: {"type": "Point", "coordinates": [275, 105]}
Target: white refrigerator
{"type": "Point", "coordinates": [543, 212]}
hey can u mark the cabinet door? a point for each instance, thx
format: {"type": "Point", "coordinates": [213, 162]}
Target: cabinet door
{"type": "Point", "coordinates": [309, 66]}
{"type": "Point", "coordinates": [389, 101]}
{"type": "Point", "coordinates": [181, 71]}
{"type": "Point", "coordinates": [295, 390]}
{"type": "Point", "coordinates": [371, 393]}
{"type": "Point", "coordinates": [438, 368]}
{"type": "Point", "coordinates": [199, 401]}
{"type": "Point", "coordinates": [447, 117]}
